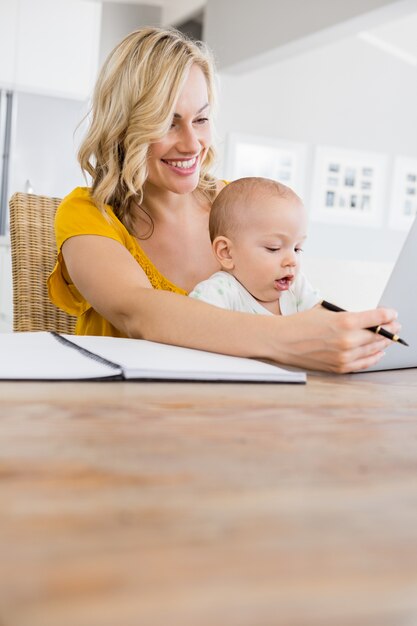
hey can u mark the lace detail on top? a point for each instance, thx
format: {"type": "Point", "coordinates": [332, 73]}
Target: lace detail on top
{"type": "Point", "coordinates": [157, 280]}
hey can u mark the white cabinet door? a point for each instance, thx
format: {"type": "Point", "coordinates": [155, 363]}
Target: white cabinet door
{"type": "Point", "coordinates": [57, 47]}
{"type": "Point", "coordinates": [8, 34]}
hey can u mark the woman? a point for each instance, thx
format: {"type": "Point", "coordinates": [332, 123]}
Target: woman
{"type": "Point", "coordinates": [132, 246]}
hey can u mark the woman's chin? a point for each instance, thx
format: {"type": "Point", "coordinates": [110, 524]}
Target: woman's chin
{"type": "Point", "coordinates": [184, 186]}
{"type": "Point", "coordinates": [175, 183]}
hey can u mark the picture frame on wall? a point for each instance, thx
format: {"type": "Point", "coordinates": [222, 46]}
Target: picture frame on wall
{"type": "Point", "coordinates": [281, 160]}
{"type": "Point", "coordinates": [403, 198]}
{"type": "Point", "coordinates": [349, 186]}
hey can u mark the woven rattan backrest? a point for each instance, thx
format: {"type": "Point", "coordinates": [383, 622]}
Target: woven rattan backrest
{"type": "Point", "coordinates": [33, 251]}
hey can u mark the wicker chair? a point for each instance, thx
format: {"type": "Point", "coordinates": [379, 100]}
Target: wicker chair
{"type": "Point", "coordinates": [33, 252]}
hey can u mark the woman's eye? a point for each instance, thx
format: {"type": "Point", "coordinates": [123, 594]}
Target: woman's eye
{"type": "Point", "coordinates": [202, 120]}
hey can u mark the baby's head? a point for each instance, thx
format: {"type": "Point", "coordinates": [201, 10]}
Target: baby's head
{"type": "Point", "coordinates": [257, 227]}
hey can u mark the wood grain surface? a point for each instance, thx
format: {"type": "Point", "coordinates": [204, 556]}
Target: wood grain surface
{"type": "Point", "coordinates": [149, 504]}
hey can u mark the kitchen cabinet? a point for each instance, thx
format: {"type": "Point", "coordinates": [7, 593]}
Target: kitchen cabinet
{"type": "Point", "coordinates": [50, 47]}
{"type": "Point", "coordinates": [8, 34]}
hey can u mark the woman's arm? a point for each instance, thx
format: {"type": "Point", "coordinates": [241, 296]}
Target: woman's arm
{"type": "Point", "coordinates": [114, 284]}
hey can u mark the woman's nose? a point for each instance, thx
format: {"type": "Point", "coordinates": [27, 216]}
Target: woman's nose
{"type": "Point", "coordinates": [188, 141]}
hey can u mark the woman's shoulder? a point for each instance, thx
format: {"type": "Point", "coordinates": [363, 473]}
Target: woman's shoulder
{"type": "Point", "coordinates": [78, 198]}
{"type": "Point", "coordinates": [221, 184]}
{"type": "Point", "coordinates": [79, 215]}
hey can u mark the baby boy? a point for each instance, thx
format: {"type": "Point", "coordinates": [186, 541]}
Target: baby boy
{"type": "Point", "coordinates": [257, 228]}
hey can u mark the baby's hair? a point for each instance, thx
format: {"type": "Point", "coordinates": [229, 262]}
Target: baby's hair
{"type": "Point", "coordinates": [229, 207]}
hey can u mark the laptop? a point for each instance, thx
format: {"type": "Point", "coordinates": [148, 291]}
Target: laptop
{"type": "Point", "coordinates": [400, 293]}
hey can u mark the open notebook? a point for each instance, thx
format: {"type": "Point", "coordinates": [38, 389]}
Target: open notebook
{"type": "Point", "coordinates": [49, 356]}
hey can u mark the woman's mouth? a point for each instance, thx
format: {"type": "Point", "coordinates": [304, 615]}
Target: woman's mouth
{"type": "Point", "coordinates": [183, 167]}
{"type": "Point", "coordinates": [283, 284]}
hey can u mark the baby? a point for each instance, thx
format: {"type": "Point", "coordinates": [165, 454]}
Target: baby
{"type": "Point", "coordinates": [257, 228]}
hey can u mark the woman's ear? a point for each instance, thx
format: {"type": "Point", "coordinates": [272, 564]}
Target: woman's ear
{"type": "Point", "coordinates": [223, 251]}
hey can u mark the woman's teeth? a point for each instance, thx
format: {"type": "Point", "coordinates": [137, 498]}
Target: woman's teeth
{"type": "Point", "coordinates": [185, 165]}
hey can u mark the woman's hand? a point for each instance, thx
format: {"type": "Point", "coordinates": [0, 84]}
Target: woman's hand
{"type": "Point", "coordinates": [336, 342]}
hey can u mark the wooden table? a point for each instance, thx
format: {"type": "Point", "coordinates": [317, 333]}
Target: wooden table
{"type": "Point", "coordinates": [137, 504]}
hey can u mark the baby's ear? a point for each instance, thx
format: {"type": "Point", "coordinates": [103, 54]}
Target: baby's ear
{"type": "Point", "coordinates": [222, 248]}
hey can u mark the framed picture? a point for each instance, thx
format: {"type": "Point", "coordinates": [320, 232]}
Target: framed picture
{"type": "Point", "coordinates": [403, 200]}
{"type": "Point", "coordinates": [348, 186]}
{"type": "Point", "coordinates": [249, 155]}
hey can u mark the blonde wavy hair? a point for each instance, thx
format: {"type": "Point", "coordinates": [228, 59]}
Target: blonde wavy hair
{"type": "Point", "coordinates": [133, 106]}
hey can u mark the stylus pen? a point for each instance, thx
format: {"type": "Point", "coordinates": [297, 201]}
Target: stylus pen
{"type": "Point", "coordinates": [375, 329]}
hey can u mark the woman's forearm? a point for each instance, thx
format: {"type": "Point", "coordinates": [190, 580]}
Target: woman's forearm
{"type": "Point", "coordinates": [166, 317]}
{"type": "Point", "coordinates": [315, 339]}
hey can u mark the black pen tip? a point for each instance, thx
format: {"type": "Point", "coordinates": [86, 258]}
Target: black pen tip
{"type": "Point", "coordinates": [403, 342]}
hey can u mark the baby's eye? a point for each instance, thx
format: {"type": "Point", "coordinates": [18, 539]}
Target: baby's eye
{"type": "Point", "coordinates": [271, 249]}
{"type": "Point", "coordinates": [298, 250]}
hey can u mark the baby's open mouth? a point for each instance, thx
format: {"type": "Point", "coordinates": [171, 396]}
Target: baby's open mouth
{"type": "Point", "coordinates": [282, 284]}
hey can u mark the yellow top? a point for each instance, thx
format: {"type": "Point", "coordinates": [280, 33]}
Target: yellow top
{"type": "Point", "coordinates": [78, 215]}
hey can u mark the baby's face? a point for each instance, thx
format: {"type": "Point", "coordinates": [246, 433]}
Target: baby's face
{"type": "Point", "coordinates": [267, 247]}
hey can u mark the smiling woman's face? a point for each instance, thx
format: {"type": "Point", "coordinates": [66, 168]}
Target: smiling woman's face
{"type": "Point", "coordinates": [174, 162]}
